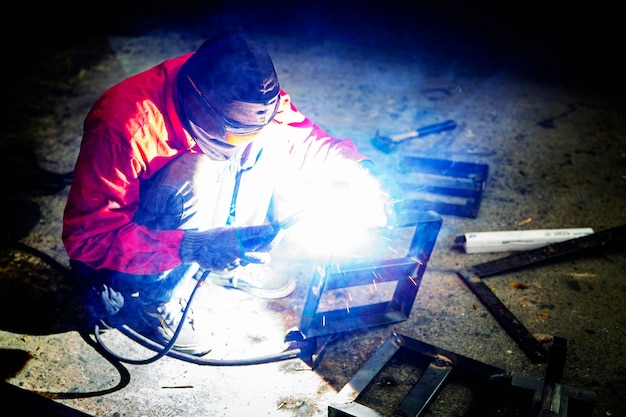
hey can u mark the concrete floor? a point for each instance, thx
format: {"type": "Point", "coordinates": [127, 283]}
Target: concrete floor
{"type": "Point", "coordinates": [539, 102]}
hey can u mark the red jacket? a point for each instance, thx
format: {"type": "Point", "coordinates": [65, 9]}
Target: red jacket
{"type": "Point", "coordinates": [131, 132]}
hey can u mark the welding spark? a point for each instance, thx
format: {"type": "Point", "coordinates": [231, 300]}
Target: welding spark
{"type": "Point", "coordinates": [344, 210]}
{"type": "Point", "coordinates": [374, 282]}
{"type": "Point", "coordinates": [392, 249]}
{"type": "Point", "coordinates": [417, 260]}
{"type": "Point", "coordinates": [413, 280]}
{"type": "Point", "coordinates": [347, 307]}
{"type": "Point", "coordinates": [323, 321]}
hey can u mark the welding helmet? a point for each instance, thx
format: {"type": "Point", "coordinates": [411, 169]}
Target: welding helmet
{"type": "Point", "coordinates": [228, 89]}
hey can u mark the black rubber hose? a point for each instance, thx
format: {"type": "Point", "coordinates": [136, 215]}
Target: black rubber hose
{"type": "Point", "coordinates": [161, 350]}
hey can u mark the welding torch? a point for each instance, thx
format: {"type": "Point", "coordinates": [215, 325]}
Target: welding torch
{"type": "Point", "coordinates": [270, 240]}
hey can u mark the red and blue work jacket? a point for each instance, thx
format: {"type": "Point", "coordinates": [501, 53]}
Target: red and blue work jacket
{"type": "Point", "coordinates": [132, 131]}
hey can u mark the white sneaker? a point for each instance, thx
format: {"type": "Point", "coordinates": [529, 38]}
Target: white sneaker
{"type": "Point", "coordinates": [256, 279]}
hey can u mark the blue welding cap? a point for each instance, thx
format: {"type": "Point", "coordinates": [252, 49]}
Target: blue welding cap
{"type": "Point", "coordinates": [228, 85]}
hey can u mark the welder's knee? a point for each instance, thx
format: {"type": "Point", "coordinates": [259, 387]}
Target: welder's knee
{"type": "Point", "coordinates": [169, 199]}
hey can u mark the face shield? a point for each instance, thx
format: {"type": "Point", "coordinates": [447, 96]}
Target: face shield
{"type": "Point", "coordinates": [237, 123]}
{"type": "Point", "coordinates": [228, 91]}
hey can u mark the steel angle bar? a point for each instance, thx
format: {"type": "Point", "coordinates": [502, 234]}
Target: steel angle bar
{"type": "Point", "coordinates": [438, 181]}
{"type": "Point", "coordinates": [430, 384]}
{"type": "Point", "coordinates": [604, 239]}
{"type": "Point", "coordinates": [494, 385]}
{"type": "Point", "coordinates": [473, 278]}
{"type": "Point", "coordinates": [440, 366]}
{"type": "Point", "coordinates": [520, 334]}
{"type": "Point", "coordinates": [402, 274]}
{"type": "Point", "coordinates": [550, 397]}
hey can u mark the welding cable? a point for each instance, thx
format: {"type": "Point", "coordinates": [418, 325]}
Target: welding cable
{"type": "Point", "coordinates": [287, 354]}
{"type": "Point", "coordinates": [168, 351]}
{"type": "Point", "coordinates": [290, 353]}
{"type": "Point", "coordinates": [61, 268]}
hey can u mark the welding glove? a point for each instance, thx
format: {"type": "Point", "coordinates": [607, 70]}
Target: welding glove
{"type": "Point", "coordinates": [226, 248]}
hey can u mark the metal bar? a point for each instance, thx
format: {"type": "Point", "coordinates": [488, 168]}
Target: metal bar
{"type": "Point", "coordinates": [416, 403]}
{"type": "Point", "coordinates": [351, 410]}
{"type": "Point", "coordinates": [494, 382]}
{"type": "Point", "coordinates": [444, 178]}
{"type": "Point", "coordinates": [405, 272]}
{"type": "Point", "coordinates": [615, 236]}
{"type": "Point", "coordinates": [522, 336]}
{"type": "Point", "coordinates": [461, 362]}
{"type": "Point", "coordinates": [370, 369]}
{"type": "Point", "coordinates": [473, 276]}
{"type": "Point", "coordinates": [442, 364]}
{"type": "Point", "coordinates": [552, 396]}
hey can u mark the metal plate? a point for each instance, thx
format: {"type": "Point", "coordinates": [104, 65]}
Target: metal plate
{"type": "Point", "coordinates": [444, 186]}
{"type": "Point", "coordinates": [375, 292]}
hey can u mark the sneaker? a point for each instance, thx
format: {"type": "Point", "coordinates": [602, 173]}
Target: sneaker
{"type": "Point", "coordinates": [160, 322]}
{"type": "Point", "coordinates": [257, 280]}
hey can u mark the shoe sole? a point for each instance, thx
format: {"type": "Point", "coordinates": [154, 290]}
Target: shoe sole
{"type": "Point", "coordinates": [270, 294]}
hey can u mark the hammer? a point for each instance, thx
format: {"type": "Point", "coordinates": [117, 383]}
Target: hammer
{"type": "Point", "coordinates": [388, 144]}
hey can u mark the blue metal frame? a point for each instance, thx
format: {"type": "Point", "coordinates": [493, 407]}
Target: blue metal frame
{"type": "Point", "coordinates": [406, 272]}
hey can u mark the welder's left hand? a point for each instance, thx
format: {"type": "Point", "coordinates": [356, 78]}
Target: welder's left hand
{"type": "Point", "coordinates": [225, 248]}
{"type": "Point", "coordinates": [269, 236]}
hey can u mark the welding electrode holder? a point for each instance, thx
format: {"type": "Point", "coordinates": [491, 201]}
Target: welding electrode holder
{"type": "Point", "coordinates": [267, 243]}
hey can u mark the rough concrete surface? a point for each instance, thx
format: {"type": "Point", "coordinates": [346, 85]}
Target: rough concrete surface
{"type": "Point", "coordinates": [539, 102]}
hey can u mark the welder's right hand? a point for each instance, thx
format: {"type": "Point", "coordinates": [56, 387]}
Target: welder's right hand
{"type": "Point", "coordinates": [226, 248]}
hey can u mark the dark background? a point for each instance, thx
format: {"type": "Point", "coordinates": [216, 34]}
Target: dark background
{"type": "Point", "coordinates": [575, 42]}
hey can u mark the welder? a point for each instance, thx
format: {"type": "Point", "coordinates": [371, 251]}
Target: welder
{"type": "Point", "coordinates": [183, 172]}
